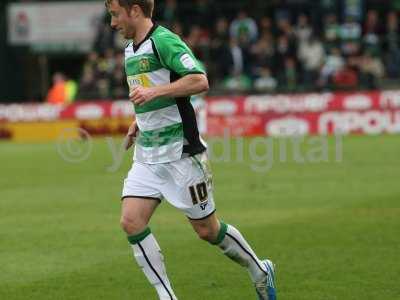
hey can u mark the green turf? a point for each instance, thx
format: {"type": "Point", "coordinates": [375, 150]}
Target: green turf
{"type": "Point", "coordinates": [332, 228]}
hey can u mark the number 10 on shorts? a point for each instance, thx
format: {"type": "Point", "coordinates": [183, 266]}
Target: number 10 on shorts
{"type": "Point", "coordinates": [198, 193]}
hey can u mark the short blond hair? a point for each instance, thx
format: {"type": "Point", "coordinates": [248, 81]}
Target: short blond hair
{"type": "Point", "coordinates": [147, 6]}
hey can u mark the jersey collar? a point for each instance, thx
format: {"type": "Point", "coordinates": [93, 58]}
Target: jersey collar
{"type": "Point", "coordinates": [136, 47]}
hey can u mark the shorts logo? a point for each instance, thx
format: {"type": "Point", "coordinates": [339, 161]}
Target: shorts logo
{"type": "Point", "coordinates": [203, 205]}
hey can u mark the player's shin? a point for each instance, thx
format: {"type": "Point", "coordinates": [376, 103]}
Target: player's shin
{"type": "Point", "coordinates": [233, 245]}
{"type": "Point", "coordinates": [148, 255]}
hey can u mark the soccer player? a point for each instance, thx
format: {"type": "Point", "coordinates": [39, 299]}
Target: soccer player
{"type": "Point", "coordinates": [170, 159]}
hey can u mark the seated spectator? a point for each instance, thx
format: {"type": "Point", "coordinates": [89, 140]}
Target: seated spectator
{"type": "Point", "coordinates": [92, 62]}
{"type": "Point", "coordinates": [118, 85]}
{"type": "Point", "coordinates": [105, 36]}
{"type": "Point", "coordinates": [234, 58]}
{"type": "Point", "coordinates": [263, 54]}
{"type": "Point", "coordinates": [350, 35]}
{"type": "Point", "coordinates": [284, 48]}
{"type": "Point", "coordinates": [71, 88]}
{"type": "Point", "coordinates": [334, 63]}
{"type": "Point", "coordinates": [221, 32]}
{"type": "Point", "coordinates": [238, 82]}
{"type": "Point", "coordinates": [371, 36]}
{"type": "Point", "coordinates": [265, 25]}
{"type": "Point", "coordinates": [392, 46]}
{"type": "Point", "coordinates": [303, 29]}
{"type": "Point", "coordinates": [285, 28]}
{"type": "Point", "coordinates": [219, 50]}
{"type": "Point", "coordinates": [372, 70]}
{"type": "Point", "coordinates": [332, 32]}
{"type": "Point", "coordinates": [177, 28]}
{"type": "Point", "coordinates": [265, 82]}
{"type": "Point", "coordinates": [244, 25]}
{"type": "Point", "coordinates": [202, 13]}
{"type": "Point", "coordinates": [312, 55]}
{"type": "Point", "coordinates": [87, 85]}
{"type": "Point", "coordinates": [288, 76]}
{"type": "Point", "coordinates": [169, 12]}
{"type": "Point", "coordinates": [345, 78]}
{"type": "Point", "coordinates": [198, 41]}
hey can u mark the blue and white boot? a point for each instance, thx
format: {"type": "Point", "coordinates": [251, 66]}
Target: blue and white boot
{"type": "Point", "coordinates": [265, 289]}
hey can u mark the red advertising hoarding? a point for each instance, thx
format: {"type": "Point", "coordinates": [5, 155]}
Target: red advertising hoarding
{"type": "Point", "coordinates": [324, 113]}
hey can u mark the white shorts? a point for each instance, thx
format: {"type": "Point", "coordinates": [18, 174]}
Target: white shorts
{"type": "Point", "coordinates": [186, 184]}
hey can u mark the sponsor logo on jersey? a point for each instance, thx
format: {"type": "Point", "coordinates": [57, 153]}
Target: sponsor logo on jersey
{"type": "Point", "coordinates": [138, 80]}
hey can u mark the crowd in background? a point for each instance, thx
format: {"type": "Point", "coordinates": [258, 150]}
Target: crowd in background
{"type": "Point", "coordinates": [282, 50]}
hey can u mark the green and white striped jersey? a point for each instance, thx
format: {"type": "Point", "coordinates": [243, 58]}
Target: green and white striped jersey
{"type": "Point", "coordinates": [167, 126]}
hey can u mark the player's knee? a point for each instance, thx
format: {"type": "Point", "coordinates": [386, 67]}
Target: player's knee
{"type": "Point", "coordinates": [206, 234]}
{"type": "Point", "coordinates": [132, 225]}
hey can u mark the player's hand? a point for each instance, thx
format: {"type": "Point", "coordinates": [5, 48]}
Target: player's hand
{"type": "Point", "coordinates": [141, 95]}
{"type": "Point", "coordinates": [131, 136]}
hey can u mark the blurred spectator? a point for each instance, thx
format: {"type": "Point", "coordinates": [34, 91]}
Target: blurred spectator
{"type": "Point", "coordinates": [237, 82]}
{"type": "Point", "coordinates": [118, 85]}
{"type": "Point", "coordinates": [234, 59]}
{"type": "Point", "coordinates": [71, 88]}
{"type": "Point", "coordinates": [266, 25]}
{"type": "Point", "coordinates": [219, 49]}
{"type": "Point", "coordinates": [288, 76]}
{"type": "Point", "coordinates": [332, 32]}
{"type": "Point", "coordinates": [262, 54]}
{"type": "Point", "coordinates": [371, 36]}
{"type": "Point", "coordinates": [350, 35]}
{"type": "Point", "coordinates": [303, 29]}
{"type": "Point", "coordinates": [372, 70]}
{"type": "Point", "coordinates": [57, 93]}
{"type": "Point", "coordinates": [333, 64]}
{"type": "Point", "coordinates": [221, 32]}
{"type": "Point", "coordinates": [169, 12]}
{"type": "Point", "coordinates": [177, 28]}
{"type": "Point", "coordinates": [312, 55]}
{"type": "Point", "coordinates": [87, 85]}
{"type": "Point", "coordinates": [198, 41]}
{"type": "Point", "coordinates": [392, 42]}
{"type": "Point", "coordinates": [265, 82]}
{"type": "Point", "coordinates": [245, 27]}
{"type": "Point", "coordinates": [201, 13]}
{"type": "Point", "coordinates": [345, 78]}
{"type": "Point", "coordinates": [105, 36]}
{"type": "Point", "coordinates": [284, 49]}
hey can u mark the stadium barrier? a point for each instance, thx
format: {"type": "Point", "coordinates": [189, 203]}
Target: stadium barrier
{"type": "Point", "coordinates": [375, 112]}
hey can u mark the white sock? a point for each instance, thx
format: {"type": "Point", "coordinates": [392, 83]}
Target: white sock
{"type": "Point", "coordinates": [148, 255]}
{"type": "Point", "coordinates": [234, 246]}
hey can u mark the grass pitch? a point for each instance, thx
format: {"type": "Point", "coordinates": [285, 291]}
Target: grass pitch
{"type": "Point", "coordinates": [331, 228]}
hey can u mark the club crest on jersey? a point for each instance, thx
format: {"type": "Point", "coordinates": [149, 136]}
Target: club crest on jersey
{"type": "Point", "coordinates": [144, 65]}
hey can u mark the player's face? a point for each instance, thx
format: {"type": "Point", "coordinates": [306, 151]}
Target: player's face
{"type": "Point", "coordinates": [122, 20]}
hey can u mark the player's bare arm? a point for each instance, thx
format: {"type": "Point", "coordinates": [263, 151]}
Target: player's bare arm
{"type": "Point", "coordinates": [131, 135]}
{"type": "Point", "coordinates": [188, 85]}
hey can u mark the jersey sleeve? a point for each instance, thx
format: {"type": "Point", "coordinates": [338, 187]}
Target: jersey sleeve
{"type": "Point", "coordinates": [176, 56]}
